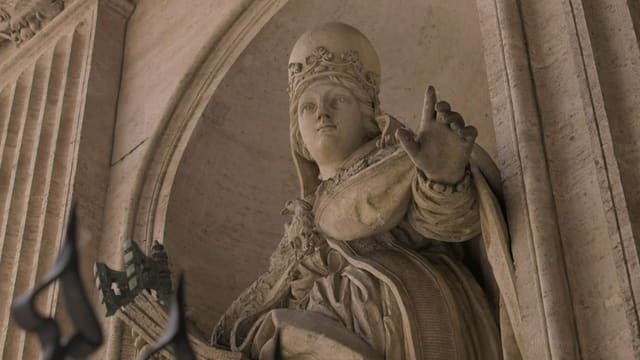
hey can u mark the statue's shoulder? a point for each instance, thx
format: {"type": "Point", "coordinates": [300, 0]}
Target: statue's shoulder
{"type": "Point", "coordinates": [369, 197]}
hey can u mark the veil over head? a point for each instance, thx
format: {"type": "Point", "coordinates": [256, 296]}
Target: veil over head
{"type": "Point", "coordinates": [332, 50]}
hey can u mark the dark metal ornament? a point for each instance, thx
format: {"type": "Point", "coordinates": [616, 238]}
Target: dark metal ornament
{"type": "Point", "coordinates": [141, 272]}
{"type": "Point", "coordinates": [88, 336]}
{"type": "Point", "coordinates": [176, 331]}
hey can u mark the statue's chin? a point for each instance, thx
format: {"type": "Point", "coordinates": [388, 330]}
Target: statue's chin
{"type": "Point", "coordinates": [327, 139]}
{"type": "Point", "coordinates": [330, 149]}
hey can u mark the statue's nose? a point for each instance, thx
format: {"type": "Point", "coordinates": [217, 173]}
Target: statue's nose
{"type": "Point", "coordinates": [323, 116]}
{"type": "Point", "coordinates": [324, 112]}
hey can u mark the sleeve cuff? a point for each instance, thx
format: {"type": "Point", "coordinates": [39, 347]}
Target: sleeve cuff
{"type": "Point", "coordinates": [441, 188]}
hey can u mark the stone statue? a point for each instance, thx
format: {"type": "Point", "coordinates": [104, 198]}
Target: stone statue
{"type": "Point", "coordinates": [375, 262]}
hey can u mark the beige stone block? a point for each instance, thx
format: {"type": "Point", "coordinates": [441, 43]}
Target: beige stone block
{"type": "Point", "coordinates": [165, 42]}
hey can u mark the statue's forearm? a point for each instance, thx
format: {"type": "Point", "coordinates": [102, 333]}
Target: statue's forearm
{"type": "Point", "coordinates": [444, 213]}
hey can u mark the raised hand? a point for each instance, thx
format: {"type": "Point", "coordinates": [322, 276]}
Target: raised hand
{"type": "Point", "coordinates": [443, 145]}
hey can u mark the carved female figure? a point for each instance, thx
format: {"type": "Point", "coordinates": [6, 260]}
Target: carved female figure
{"type": "Point", "coordinates": [372, 265]}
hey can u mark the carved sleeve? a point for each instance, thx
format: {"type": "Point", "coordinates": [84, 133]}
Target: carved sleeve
{"type": "Point", "coordinates": [445, 213]}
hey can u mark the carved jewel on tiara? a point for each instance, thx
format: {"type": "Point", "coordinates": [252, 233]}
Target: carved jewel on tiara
{"type": "Point", "coordinates": [322, 60]}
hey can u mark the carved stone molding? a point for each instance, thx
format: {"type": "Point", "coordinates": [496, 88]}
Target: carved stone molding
{"type": "Point", "coordinates": [123, 7]}
{"type": "Point", "coordinates": [556, 72]}
{"type": "Point", "coordinates": [147, 218]}
{"type": "Point", "coordinates": [540, 265]}
{"type": "Point", "coordinates": [20, 20]}
{"type": "Point", "coordinates": [150, 216]}
{"type": "Point", "coordinates": [42, 95]}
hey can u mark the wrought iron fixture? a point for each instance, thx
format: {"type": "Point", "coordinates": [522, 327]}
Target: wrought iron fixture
{"type": "Point", "coordinates": [88, 336]}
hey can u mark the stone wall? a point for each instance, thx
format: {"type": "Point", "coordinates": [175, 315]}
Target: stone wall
{"type": "Point", "coordinates": [562, 78]}
{"type": "Point", "coordinates": [169, 123]}
{"type": "Point", "coordinates": [44, 75]}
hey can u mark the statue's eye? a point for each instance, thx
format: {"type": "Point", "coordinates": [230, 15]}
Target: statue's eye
{"type": "Point", "coordinates": [308, 107]}
{"type": "Point", "coordinates": [341, 100]}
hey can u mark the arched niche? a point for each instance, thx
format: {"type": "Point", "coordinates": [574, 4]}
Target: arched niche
{"type": "Point", "coordinates": [220, 200]}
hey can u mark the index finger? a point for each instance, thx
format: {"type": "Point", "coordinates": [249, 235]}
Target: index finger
{"type": "Point", "coordinates": [428, 109]}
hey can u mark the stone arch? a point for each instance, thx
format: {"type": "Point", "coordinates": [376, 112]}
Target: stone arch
{"type": "Point", "coordinates": [254, 53]}
{"type": "Point", "coordinates": [149, 221]}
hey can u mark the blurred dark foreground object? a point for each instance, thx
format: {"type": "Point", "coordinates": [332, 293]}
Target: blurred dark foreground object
{"type": "Point", "coordinates": [88, 336]}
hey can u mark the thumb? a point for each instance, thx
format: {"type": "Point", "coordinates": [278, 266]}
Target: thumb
{"type": "Point", "coordinates": [406, 138]}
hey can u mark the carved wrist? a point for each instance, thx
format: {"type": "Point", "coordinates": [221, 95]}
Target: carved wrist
{"type": "Point", "coordinates": [443, 188]}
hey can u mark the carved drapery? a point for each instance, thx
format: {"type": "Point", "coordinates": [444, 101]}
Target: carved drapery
{"type": "Point", "coordinates": [42, 90]}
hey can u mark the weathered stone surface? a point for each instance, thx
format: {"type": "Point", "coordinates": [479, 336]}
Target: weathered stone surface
{"type": "Point", "coordinates": [561, 171]}
{"type": "Point", "coordinates": [43, 85]}
{"type": "Point", "coordinates": [247, 116]}
{"type": "Point", "coordinates": [563, 103]}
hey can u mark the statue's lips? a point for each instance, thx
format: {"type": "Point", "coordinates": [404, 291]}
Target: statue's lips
{"type": "Point", "coordinates": [325, 128]}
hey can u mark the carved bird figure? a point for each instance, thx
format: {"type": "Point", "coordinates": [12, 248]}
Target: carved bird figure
{"type": "Point", "coordinates": [300, 232]}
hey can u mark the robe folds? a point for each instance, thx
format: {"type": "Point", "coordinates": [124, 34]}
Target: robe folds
{"type": "Point", "coordinates": [390, 277]}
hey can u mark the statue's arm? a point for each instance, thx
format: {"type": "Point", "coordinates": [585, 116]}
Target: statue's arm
{"type": "Point", "coordinates": [447, 213]}
{"type": "Point", "coordinates": [441, 150]}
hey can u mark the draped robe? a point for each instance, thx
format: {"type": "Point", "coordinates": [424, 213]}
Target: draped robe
{"type": "Point", "coordinates": [388, 279]}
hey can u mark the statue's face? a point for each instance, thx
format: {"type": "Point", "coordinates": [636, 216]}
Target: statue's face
{"type": "Point", "coordinates": [330, 122]}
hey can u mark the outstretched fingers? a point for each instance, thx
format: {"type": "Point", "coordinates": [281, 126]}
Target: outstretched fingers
{"type": "Point", "coordinates": [443, 107]}
{"type": "Point", "coordinates": [455, 122]}
{"type": "Point", "coordinates": [468, 133]}
{"type": "Point", "coordinates": [428, 109]}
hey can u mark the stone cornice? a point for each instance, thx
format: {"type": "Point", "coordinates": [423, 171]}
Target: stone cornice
{"type": "Point", "coordinates": [12, 57]}
{"type": "Point", "coordinates": [20, 20]}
